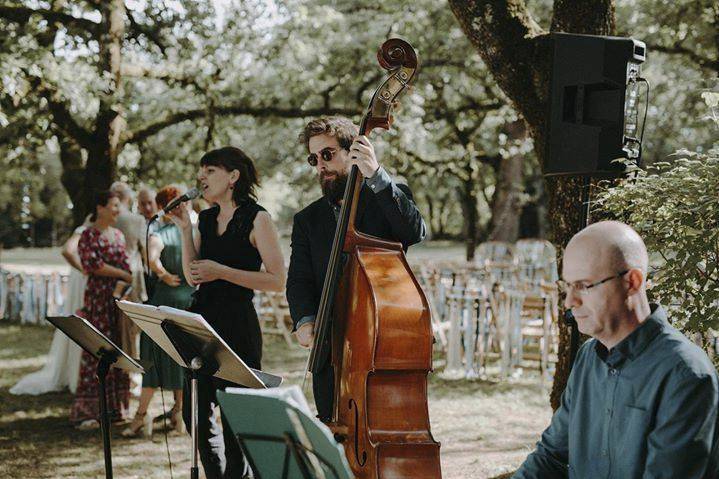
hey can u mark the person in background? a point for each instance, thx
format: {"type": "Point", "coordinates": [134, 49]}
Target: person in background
{"type": "Point", "coordinates": [103, 258]}
{"type": "Point", "coordinates": [133, 227]}
{"type": "Point", "coordinates": [62, 367]}
{"type": "Point", "coordinates": [171, 289]}
{"type": "Point", "coordinates": [146, 203]}
{"type": "Point", "coordinates": [147, 207]}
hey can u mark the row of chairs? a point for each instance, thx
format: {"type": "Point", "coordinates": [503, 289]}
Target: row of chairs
{"type": "Point", "coordinates": [29, 298]}
{"type": "Point", "coordinates": [504, 306]}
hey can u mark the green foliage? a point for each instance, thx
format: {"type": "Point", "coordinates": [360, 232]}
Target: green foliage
{"type": "Point", "coordinates": [298, 55]}
{"type": "Point", "coordinates": [675, 207]}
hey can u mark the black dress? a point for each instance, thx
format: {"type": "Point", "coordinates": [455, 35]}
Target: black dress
{"type": "Point", "coordinates": [228, 308]}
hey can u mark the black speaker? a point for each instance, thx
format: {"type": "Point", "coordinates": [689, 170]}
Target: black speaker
{"type": "Point", "coordinates": [590, 125]}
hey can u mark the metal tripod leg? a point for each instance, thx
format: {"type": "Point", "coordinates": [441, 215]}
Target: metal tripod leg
{"type": "Point", "coordinates": [195, 365]}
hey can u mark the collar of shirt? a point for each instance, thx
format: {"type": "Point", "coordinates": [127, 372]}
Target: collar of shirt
{"type": "Point", "coordinates": [334, 206]}
{"type": "Point", "coordinates": [633, 345]}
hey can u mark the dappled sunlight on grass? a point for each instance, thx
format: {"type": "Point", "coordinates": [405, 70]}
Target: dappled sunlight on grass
{"type": "Point", "coordinates": [486, 426]}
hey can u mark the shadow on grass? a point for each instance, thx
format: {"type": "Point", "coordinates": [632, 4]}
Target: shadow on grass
{"type": "Point", "coordinates": [445, 388]}
{"type": "Point", "coordinates": [470, 417]}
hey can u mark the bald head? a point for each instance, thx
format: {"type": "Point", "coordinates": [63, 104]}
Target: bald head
{"type": "Point", "coordinates": [146, 192]}
{"type": "Point", "coordinates": [613, 244]}
{"type": "Point", "coordinates": [124, 191]}
{"type": "Point", "coordinates": [146, 202]}
{"type": "Point", "coordinates": [605, 266]}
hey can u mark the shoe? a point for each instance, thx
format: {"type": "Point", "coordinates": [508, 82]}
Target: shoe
{"type": "Point", "coordinates": [176, 422]}
{"type": "Point", "coordinates": [88, 425]}
{"type": "Point", "coordinates": [167, 415]}
{"type": "Point", "coordinates": [141, 423]}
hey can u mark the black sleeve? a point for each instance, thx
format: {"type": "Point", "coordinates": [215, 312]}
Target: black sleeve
{"type": "Point", "coordinates": [301, 295]}
{"type": "Point", "coordinates": [202, 221]}
{"type": "Point", "coordinates": [402, 214]}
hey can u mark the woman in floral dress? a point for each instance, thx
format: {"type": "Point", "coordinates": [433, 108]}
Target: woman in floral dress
{"type": "Point", "coordinates": [103, 257]}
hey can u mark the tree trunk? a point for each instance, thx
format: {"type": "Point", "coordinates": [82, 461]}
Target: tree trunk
{"type": "Point", "coordinates": [442, 222]}
{"type": "Point", "coordinates": [507, 200]}
{"type": "Point", "coordinates": [533, 219]}
{"type": "Point", "coordinates": [468, 200]}
{"type": "Point", "coordinates": [72, 176]}
{"type": "Point", "coordinates": [430, 217]}
{"type": "Point", "coordinates": [564, 214]}
{"type": "Point", "coordinates": [109, 123]}
{"type": "Point", "coordinates": [517, 51]}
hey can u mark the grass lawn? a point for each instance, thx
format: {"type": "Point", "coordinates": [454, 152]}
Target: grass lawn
{"type": "Point", "coordinates": [485, 427]}
{"type": "Point", "coordinates": [50, 259]}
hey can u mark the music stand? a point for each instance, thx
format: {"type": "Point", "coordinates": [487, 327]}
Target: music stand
{"type": "Point", "coordinates": [108, 354]}
{"type": "Point", "coordinates": [269, 427]}
{"type": "Point", "coordinates": [193, 344]}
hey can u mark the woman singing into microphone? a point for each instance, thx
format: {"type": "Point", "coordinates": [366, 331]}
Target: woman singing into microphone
{"type": "Point", "coordinates": [236, 236]}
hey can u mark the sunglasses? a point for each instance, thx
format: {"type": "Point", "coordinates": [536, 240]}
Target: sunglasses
{"type": "Point", "coordinates": [326, 154]}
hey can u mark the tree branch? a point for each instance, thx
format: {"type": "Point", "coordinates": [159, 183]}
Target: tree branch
{"type": "Point", "coordinates": [74, 25]}
{"type": "Point", "coordinates": [361, 89]}
{"type": "Point", "coordinates": [436, 165]}
{"type": "Point", "coordinates": [506, 36]}
{"type": "Point", "coordinates": [60, 111]}
{"type": "Point", "coordinates": [591, 17]}
{"type": "Point", "coordinates": [137, 29]}
{"type": "Point", "coordinates": [327, 93]}
{"type": "Point", "coordinates": [442, 62]}
{"type": "Point", "coordinates": [168, 75]}
{"type": "Point", "coordinates": [146, 131]}
{"type": "Point", "coordinates": [473, 105]}
{"type": "Point", "coordinates": [679, 49]}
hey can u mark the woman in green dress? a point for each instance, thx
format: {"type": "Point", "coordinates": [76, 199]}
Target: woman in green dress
{"type": "Point", "coordinates": [171, 289]}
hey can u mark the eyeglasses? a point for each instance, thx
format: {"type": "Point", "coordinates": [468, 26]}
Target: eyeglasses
{"type": "Point", "coordinates": [327, 154]}
{"type": "Point", "coordinates": [581, 288]}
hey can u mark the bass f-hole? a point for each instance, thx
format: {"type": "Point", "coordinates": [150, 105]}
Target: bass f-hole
{"type": "Point", "coordinates": [363, 461]}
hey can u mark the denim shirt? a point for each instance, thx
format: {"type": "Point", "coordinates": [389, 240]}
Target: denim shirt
{"type": "Point", "coordinates": [647, 408]}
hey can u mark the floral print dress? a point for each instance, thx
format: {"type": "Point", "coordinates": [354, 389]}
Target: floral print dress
{"type": "Point", "coordinates": [96, 250]}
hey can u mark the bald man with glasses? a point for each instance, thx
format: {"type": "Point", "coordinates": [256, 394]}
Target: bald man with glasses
{"type": "Point", "coordinates": [641, 401]}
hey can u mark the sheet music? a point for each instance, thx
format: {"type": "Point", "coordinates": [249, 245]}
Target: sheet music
{"type": "Point", "coordinates": [149, 319]}
{"type": "Point", "coordinates": [291, 394]}
{"type": "Point", "coordinates": [89, 338]}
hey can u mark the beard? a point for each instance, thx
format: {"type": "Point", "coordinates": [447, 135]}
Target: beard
{"type": "Point", "coordinates": [333, 185]}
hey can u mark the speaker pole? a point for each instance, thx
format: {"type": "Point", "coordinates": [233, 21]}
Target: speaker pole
{"type": "Point", "coordinates": [568, 316]}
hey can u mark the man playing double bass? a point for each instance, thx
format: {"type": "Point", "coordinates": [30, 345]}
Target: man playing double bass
{"type": "Point", "coordinates": [385, 210]}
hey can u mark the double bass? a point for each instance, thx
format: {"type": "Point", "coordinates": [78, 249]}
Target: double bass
{"type": "Point", "coordinates": [374, 320]}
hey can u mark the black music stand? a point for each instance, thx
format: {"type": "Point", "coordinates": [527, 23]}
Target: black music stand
{"type": "Point", "coordinates": [192, 343]}
{"type": "Point", "coordinates": [108, 354]}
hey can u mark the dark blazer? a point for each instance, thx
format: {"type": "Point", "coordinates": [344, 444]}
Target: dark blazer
{"type": "Point", "coordinates": [389, 214]}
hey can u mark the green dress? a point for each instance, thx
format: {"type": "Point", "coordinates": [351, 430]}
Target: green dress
{"type": "Point", "coordinates": [165, 372]}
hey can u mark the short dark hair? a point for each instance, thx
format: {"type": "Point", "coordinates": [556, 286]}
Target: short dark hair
{"type": "Point", "coordinates": [340, 127]}
{"type": "Point", "coordinates": [101, 198]}
{"type": "Point", "coordinates": [231, 158]}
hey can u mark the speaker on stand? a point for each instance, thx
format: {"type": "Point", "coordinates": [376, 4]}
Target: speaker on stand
{"type": "Point", "coordinates": [593, 116]}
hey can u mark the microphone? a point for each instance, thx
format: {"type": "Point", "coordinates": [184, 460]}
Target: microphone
{"type": "Point", "coordinates": [189, 196]}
